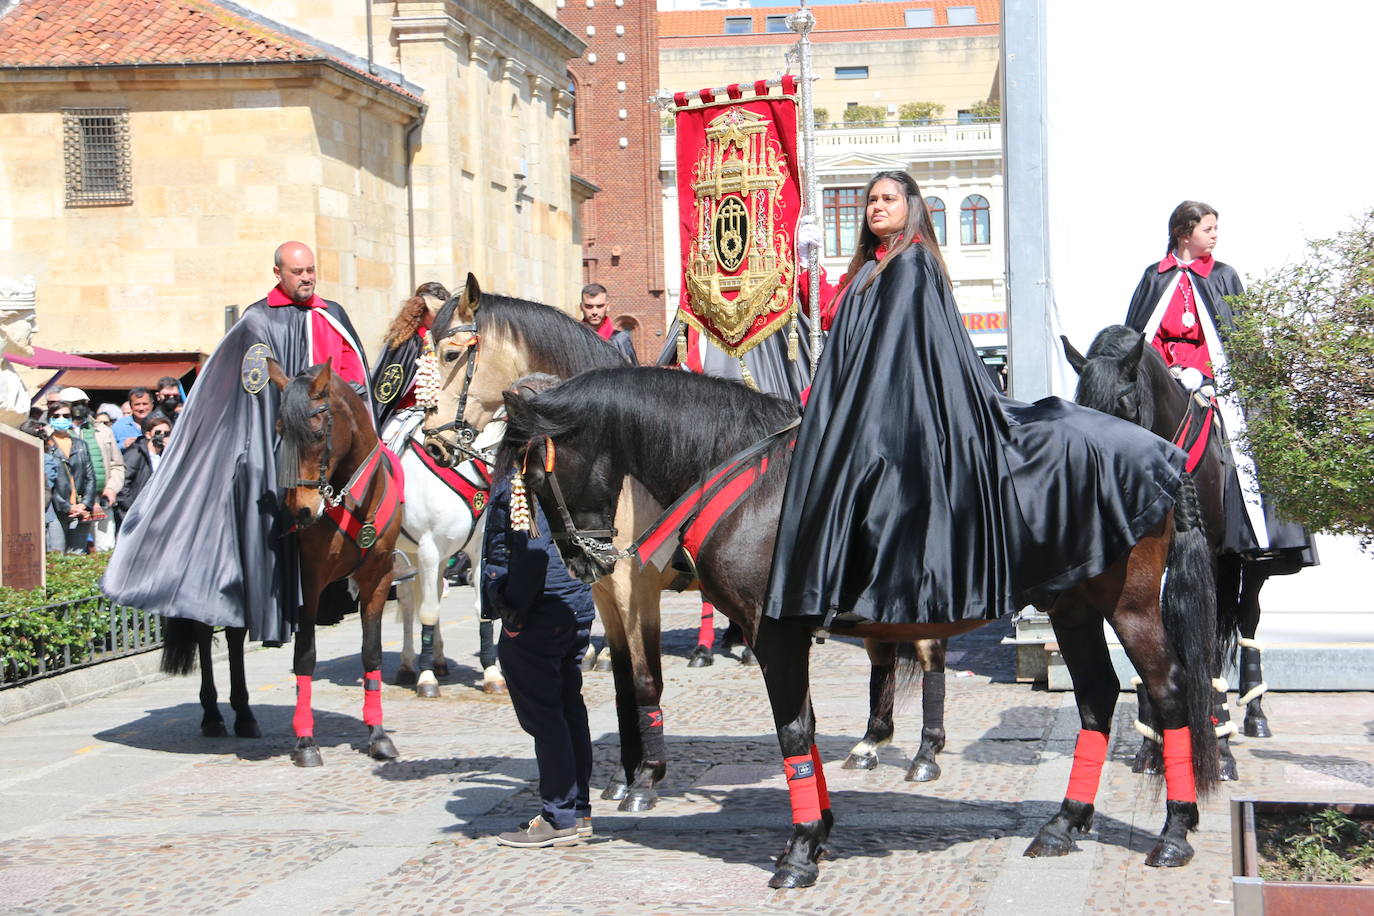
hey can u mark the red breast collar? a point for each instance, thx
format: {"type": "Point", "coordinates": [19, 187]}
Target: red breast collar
{"type": "Point", "coordinates": [475, 496]}
{"type": "Point", "coordinates": [361, 531]}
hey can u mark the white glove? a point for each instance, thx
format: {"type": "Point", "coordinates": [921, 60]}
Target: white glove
{"type": "Point", "coordinates": [808, 241]}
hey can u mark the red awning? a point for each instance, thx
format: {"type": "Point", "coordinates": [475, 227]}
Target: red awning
{"type": "Point", "coordinates": [43, 358]}
{"type": "Point", "coordinates": [128, 373]}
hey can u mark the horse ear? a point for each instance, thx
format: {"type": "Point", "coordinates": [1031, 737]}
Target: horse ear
{"type": "Point", "coordinates": [276, 375]}
{"type": "Point", "coordinates": [1131, 361]}
{"type": "Point", "coordinates": [470, 299]}
{"type": "Point", "coordinates": [319, 385]}
{"type": "Point", "coordinates": [1076, 359]}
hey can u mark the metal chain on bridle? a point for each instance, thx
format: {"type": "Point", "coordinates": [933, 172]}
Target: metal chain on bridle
{"type": "Point", "coordinates": [586, 540]}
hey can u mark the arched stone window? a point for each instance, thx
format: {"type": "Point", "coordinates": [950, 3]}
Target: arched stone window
{"type": "Point", "coordinates": [936, 207]}
{"type": "Point", "coordinates": [974, 221]}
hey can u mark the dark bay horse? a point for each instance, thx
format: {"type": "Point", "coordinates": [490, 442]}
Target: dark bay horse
{"type": "Point", "coordinates": [341, 494]}
{"type": "Point", "coordinates": [1124, 376]}
{"type": "Point", "coordinates": [594, 438]}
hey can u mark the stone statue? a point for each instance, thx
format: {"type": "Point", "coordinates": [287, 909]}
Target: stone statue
{"type": "Point", "coordinates": [18, 322]}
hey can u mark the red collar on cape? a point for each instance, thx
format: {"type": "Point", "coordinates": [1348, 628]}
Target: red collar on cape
{"type": "Point", "coordinates": [276, 298]}
{"type": "Point", "coordinates": [1201, 266]}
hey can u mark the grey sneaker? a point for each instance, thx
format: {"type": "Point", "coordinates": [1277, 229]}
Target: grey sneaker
{"type": "Point", "coordinates": [538, 833]}
{"type": "Point", "coordinates": [584, 827]}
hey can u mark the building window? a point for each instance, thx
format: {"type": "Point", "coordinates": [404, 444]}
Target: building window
{"type": "Point", "coordinates": [961, 15]}
{"type": "Point", "coordinates": [776, 24]}
{"type": "Point", "coordinates": [572, 104]}
{"type": "Point", "coordinates": [936, 207]}
{"type": "Point", "coordinates": [844, 212]}
{"type": "Point", "coordinates": [739, 25]}
{"type": "Point", "coordinates": [95, 153]}
{"type": "Point", "coordinates": [851, 73]}
{"type": "Point", "coordinates": [973, 220]}
{"type": "Point", "coordinates": [919, 19]}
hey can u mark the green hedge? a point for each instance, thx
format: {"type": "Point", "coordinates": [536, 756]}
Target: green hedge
{"type": "Point", "coordinates": [43, 633]}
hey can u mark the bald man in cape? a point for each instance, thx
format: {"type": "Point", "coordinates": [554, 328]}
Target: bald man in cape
{"type": "Point", "coordinates": [206, 539]}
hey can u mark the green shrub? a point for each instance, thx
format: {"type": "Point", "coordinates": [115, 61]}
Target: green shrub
{"type": "Point", "coordinates": [919, 111]}
{"type": "Point", "coordinates": [861, 113]}
{"type": "Point", "coordinates": [40, 633]}
{"type": "Point", "coordinates": [1327, 846]}
{"type": "Point", "coordinates": [986, 110]}
{"type": "Point", "coordinates": [822, 115]}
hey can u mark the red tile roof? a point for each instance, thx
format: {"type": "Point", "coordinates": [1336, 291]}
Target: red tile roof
{"type": "Point", "coordinates": [846, 16]}
{"type": "Point", "coordinates": [81, 33]}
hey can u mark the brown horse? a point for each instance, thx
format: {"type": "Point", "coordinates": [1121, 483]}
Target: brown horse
{"type": "Point", "coordinates": [594, 438]}
{"type": "Point", "coordinates": [343, 494]}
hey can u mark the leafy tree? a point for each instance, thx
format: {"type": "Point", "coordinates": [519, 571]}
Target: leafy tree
{"type": "Point", "coordinates": [988, 110]}
{"type": "Point", "coordinates": [1302, 362]}
{"type": "Point", "coordinates": [864, 113]}
{"type": "Point", "coordinates": [919, 111]}
{"type": "Point", "coordinates": [822, 115]}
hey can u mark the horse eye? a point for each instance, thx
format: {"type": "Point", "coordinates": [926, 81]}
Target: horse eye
{"type": "Point", "coordinates": [451, 356]}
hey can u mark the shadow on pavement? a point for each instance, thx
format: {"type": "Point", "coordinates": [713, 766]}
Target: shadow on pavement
{"type": "Point", "coordinates": [1347, 768]}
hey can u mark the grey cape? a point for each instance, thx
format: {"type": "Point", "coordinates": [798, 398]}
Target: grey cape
{"type": "Point", "coordinates": [206, 540]}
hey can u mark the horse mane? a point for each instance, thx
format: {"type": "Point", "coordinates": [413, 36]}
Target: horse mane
{"type": "Point", "coordinates": [296, 407]}
{"type": "Point", "coordinates": [412, 313]}
{"type": "Point", "coordinates": [555, 342]}
{"type": "Point", "coordinates": [683, 422]}
{"type": "Point", "coordinates": [1100, 383]}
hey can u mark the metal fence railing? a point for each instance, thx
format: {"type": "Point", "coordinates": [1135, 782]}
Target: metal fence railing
{"type": "Point", "coordinates": [42, 641]}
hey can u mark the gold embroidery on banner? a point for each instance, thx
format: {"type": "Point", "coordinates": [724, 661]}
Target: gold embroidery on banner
{"type": "Point", "coordinates": [737, 181]}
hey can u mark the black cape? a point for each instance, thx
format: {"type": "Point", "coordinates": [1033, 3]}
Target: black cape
{"type": "Point", "coordinates": [205, 540]}
{"type": "Point", "coordinates": [918, 493]}
{"type": "Point", "coordinates": [393, 375]}
{"type": "Point", "coordinates": [1291, 546]}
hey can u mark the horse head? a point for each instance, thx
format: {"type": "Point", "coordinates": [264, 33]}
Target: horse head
{"type": "Point", "coordinates": [1112, 378]}
{"type": "Point", "coordinates": [557, 456]}
{"type": "Point", "coordinates": [316, 429]}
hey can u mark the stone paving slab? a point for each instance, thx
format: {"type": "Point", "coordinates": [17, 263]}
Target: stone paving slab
{"type": "Point", "coordinates": [117, 804]}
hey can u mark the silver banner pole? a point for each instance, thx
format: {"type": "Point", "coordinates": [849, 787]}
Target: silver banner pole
{"type": "Point", "coordinates": [802, 22]}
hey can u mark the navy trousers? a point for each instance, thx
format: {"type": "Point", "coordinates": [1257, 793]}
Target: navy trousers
{"type": "Point", "coordinates": [543, 669]}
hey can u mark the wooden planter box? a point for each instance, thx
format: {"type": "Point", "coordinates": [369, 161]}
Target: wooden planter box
{"type": "Point", "coordinates": [1254, 896]}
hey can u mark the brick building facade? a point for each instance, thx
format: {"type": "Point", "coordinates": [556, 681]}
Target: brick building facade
{"type": "Point", "coordinates": [615, 146]}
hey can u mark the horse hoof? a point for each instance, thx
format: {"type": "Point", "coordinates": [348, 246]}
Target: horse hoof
{"type": "Point", "coordinates": [701, 657]}
{"type": "Point", "coordinates": [1169, 854]}
{"type": "Point", "coordinates": [405, 677]}
{"type": "Point", "coordinates": [923, 771]}
{"type": "Point", "coordinates": [247, 728]}
{"type": "Point", "coordinates": [427, 691]}
{"type": "Point", "coordinates": [617, 790]}
{"type": "Point", "coordinates": [496, 685]}
{"type": "Point", "coordinates": [1227, 771]}
{"type": "Point", "coordinates": [1047, 845]}
{"type": "Point", "coordinates": [383, 749]}
{"type": "Point", "coordinates": [1257, 728]}
{"type": "Point", "coordinates": [867, 761]}
{"type": "Point", "coordinates": [746, 657]}
{"type": "Point", "coordinates": [214, 729]}
{"type": "Point", "coordinates": [307, 757]}
{"type": "Point", "coordinates": [603, 663]}
{"type": "Point", "coordinates": [1149, 766]}
{"type": "Point", "coordinates": [789, 876]}
{"type": "Point", "coordinates": [589, 660]}
{"type": "Point", "coordinates": [638, 801]}
{"type": "Point", "coordinates": [440, 668]}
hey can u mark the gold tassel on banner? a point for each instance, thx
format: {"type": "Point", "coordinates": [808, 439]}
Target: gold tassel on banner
{"type": "Point", "coordinates": [793, 340]}
{"type": "Point", "coordinates": [682, 344]}
{"type": "Point", "coordinates": [748, 376]}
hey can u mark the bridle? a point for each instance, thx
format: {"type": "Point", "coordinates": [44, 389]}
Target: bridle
{"type": "Point", "coordinates": [321, 483]}
{"type": "Point", "coordinates": [464, 432]}
{"type": "Point", "coordinates": [601, 552]}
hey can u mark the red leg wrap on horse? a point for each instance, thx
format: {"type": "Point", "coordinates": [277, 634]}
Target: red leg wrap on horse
{"type": "Point", "coordinates": [372, 698]}
{"type": "Point", "coordinates": [706, 636]}
{"type": "Point", "coordinates": [304, 720]}
{"type": "Point", "coordinates": [822, 793]}
{"type": "Point", "coordinates": [1088, 757]}
{"type": "Point", "coordinates": [1178, 765]}
{"type": "Point", "coordinates": [801, 786]}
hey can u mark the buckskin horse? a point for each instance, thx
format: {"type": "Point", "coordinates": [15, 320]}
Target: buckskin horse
{"type": "Point", "coordinates": [579, 443]}
{"type": "Point", "coordinates": [342, 492]}
{"type": "Point", "coordinates": [1122, 375]}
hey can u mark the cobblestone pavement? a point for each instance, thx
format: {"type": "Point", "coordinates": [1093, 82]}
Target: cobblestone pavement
{"type": "Point", "coordinates": [119, 805]}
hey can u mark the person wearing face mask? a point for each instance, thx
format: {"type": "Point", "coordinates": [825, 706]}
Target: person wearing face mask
{"type": "Point", "coordinates": [71, 484]}
{"type": "Point", "coordinates": [107, 461]}
{"type": "Point", "coordinates": [169, 398]}
{"type": "Point", "coordinates": [142, 458]}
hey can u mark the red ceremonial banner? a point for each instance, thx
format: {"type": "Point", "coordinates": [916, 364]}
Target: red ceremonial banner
{"type": "Point", "coordinates": [739, 198]}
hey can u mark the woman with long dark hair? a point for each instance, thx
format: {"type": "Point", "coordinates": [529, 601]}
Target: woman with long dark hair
{"type": "Point", "coordinates": [918, 492]}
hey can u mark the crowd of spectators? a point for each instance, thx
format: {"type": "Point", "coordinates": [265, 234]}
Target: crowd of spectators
{"type": "Point", "coordinates": [97, 460]}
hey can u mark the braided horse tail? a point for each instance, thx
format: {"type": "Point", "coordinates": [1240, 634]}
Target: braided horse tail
{"type": "Point", "coordinates": [1189, 609]}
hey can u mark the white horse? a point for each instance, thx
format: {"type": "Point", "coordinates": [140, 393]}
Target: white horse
{"type": "Point", "coordinates": [443, 515]}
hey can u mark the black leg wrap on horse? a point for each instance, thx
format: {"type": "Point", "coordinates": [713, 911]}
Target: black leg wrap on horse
{"type": "Point", "coordinates": [1225, 728]}
{"type": "Point", "coordinates": [651, 733]}
{"type": "Point", "coordinates": [639, 794]}
{"type": "Point", "coordinates": [1149, 759]}
{"type": "Point", "coordinates": [427, 647]}
{"type": "Point", "coordinates": [1173, 848]}
{"type": "Point", "coordinates": [1056, 837]}
{"type": "Point", "coordinates": [1252, 687]}
{"type": "Point", "coordinates": [933, 700]}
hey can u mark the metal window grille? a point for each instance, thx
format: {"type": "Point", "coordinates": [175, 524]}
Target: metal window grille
{"type": "Point", "coordinates": [95, 151]}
